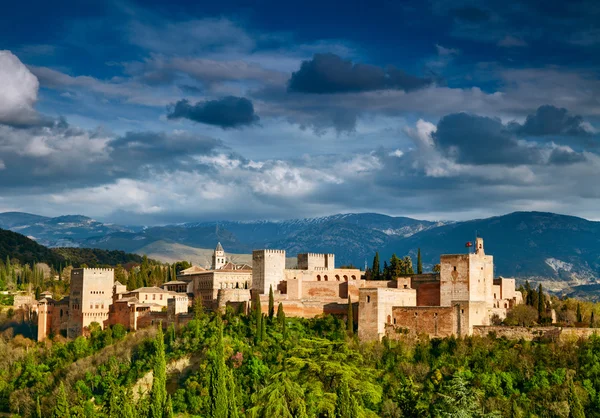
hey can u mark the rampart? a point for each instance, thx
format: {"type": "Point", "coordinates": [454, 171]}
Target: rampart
{"type": "Point", "coordinates": [533, 333]}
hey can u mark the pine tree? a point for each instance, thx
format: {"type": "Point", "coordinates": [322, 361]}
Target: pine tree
{"type": "Point", "coordinates": [271, 303]}
{"type": "Point", "coordinates": [61, 409]}
{"type": "Point", "coordinates": [158, 393]}
{"type": "Point", "coordinates": [376, 270]}
{"type": "Point", "coordinates": [579, 316]}
{"type": "Point", "coordinates": [419, 262]}
{"type": "Point", "coordinates": [218, 378]}
{"type": "Point", "coordinates": [350, 321]}
{"type": "Point", "coordinates": [541, 304]}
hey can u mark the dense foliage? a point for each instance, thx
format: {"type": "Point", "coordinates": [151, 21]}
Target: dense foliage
{"type": "Point", "coordinates": [297, 368]}
{"type": "Point", "coordinates": [27, 251]}
{"type": "Point", "coordinates": [94, 257]}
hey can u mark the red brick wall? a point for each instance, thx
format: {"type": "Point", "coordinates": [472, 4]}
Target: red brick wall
{"type": "Point", "coordinates": [435, 321]}
{"type": "Point", "coordinates": [428, 294]}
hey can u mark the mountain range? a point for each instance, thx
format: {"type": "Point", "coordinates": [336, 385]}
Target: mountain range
{"type": "Point", "coordinates": [562, 251]}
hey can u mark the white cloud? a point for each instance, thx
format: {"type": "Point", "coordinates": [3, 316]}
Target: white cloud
{"type": "Point", "coordinates": [18, 90]}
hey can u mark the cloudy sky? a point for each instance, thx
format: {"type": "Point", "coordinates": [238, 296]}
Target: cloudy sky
{"type": "Point", "coordinates": [157, 112]}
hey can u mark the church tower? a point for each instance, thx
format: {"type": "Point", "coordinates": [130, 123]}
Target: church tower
{"type": "Point", "coordinates": [218, 259]}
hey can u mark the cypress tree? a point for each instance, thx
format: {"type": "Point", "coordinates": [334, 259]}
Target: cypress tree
{"type": "Point", "coordinates": [281, 318]}
{"type": "Point", "coordinates": [61, 409]}
{"type": "Point", "coordinates": [168, 408]}
{"type": "Point", "coordinates": [541, 304]}
{"type": "Point", "coordinates": [579, 316]}
{"type": "Point", "coordinates": [233, 396]}
{"type": "Point", "coordinates": [271, 303]}
{"type": "Point", "coordinates": [376, 270]}
{"type": "Point", "coordinates": [575, 407]}
{"type": "Point", "coordinates": [350, 321]}
{"type": "Point", "coordinates": [38, 408]}
{"type": "Point", "coordinates": [263, 328]}
{"type": "Point", "coordinates": [419, 262]}
{"type": "Point", "coordinates": [592, 321]}
{"type": "Point", "coordinates": [158, 394]}
{"type": "Point", "coordinates": [218, 378]}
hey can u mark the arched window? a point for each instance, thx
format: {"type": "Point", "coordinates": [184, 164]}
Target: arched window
{"type": "Point", "coordinates": [506, 305]}
{"type": "Point", "coordinates": [337, 277]}
{"type": "Point", "coordinates": [345, 278]}
{"type": "Point", "coordinates": [325, 278]}
{"type": "Point", "coordinates": [61, 313]}
{"type": "Point", "coordinates": [318, 277]}
{"type": "Point", "coordinates": [353, 277]}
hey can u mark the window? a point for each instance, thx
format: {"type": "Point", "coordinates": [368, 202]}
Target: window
{"type": "Point", "coordinates": [146, 297]}
{"type": "Point", "coordinates": [161, 297]}
{"type": "Point", "coordinates": [318, 277]}
{"type": "Point", "coordinates": [454, 268]}
{"type": "Point", "coordinates": [368, 299]}
{"type": "Point", "coordinates": [325, 278]}
{"type": "Point", "coordinates": [394, 321]}
{"type": "Point", "coordinates": [353, 277]}
{"type": "Point", "coordinates": [154, 297]}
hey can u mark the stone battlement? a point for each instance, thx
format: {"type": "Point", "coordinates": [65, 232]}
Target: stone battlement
{"type": "Point", "coordinates": [268, 251]}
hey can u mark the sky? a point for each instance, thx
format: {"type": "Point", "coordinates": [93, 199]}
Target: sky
{"type": "Point", "coordinates": [158, 112]}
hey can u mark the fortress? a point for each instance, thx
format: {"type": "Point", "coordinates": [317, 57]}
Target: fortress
{"type": "Point", "coordinates": [464, 294]}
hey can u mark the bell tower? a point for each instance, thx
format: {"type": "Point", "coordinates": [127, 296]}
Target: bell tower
{"type": "Point", "coordinates": [479, 246]}
{"type": "Point", "coordinates": [218, 258]}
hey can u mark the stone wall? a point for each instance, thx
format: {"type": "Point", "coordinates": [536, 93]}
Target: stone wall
{"type": "Point", "coordinates": [90, 298]}
{"type": "Point", "coordinates": [375, 309]}
{"type": "Point", "coordinates": [529, 334]}
{"type": "Point", "coordinates": [435, 321]}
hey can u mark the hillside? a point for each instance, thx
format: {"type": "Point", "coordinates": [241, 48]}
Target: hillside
{"type": "Point", "coordinates": [27, 251]}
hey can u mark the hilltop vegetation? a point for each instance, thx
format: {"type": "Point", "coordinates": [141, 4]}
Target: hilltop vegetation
{"type": "Point", "coordinates": [297, 368]}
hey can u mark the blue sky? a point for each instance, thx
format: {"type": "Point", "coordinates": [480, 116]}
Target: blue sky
{"type": "Point", "coordinates": [157, 112]}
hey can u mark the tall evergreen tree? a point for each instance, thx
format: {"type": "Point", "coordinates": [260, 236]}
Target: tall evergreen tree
{"type": "Point", "coordinates": [61, 409]}
{"type": "Point", "coordinates": [345, 406]}
{"type": "Point", "coordinates": [541, 304]}
{"type": "Point", "coordinates": [419, 262]}
{"type": "Point", "coordinates": [158, 393]}
{"type": "Point", "coordinates": [376, 270]}
{"type": "Point", "coordinates": [281, 318]}
{"type": "Point", "coordinates": [271, 303]}
{"type": "Point", "coordinates": [350, 321]}
{"type": "Point", "coordinates": [233, 396]}
{"type": "Point", "coordinates": [218, 378]}
{"type": "Point", "coordinates": [575, 408]}
{"type": "Point", "coordinates": [38, 408]}
{"type": "Point", "coordinates": [592, 321]}
{"type": "Point", "coordinates": [263, 328]}
{"type": "Point", "coordinates": [579, 316]}
{"type": "Point", "coordinates": [168, 408]}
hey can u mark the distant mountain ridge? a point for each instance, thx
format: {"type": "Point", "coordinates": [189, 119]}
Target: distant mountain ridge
{"type": "Point", "coordinates": [556, 248]}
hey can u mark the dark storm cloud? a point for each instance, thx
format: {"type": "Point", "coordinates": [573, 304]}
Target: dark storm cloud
{"type": "Point", "coordinates": [475, 139]}
{"type": "Point", "coordinates": [329, 73]}
{"type": "Point", "coordinates": [52, 158]}
{"type": "Point", "coordinates": [228, 112]}
{"type": "Point", "coordinates": [551, 120]}
{"type": "Point", "coordinates": [561, 157]}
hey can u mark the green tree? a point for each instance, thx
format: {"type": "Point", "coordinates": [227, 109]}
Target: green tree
{"type": "Point", "coordinates": [376, 270]}
{"type": "Point", "coordinates": [38, 408]}
{"type": "Point", "coordinates": [350, 320]}
{"type": "Point", "coordinates": [281, 317]}
{"type": "Point", "coordinates": [218, 378]}
{"type": "Point", "coordinates": [271, 302]}
{"type": "Point", "coordinates": [61, 409]}
{"type": "Point", "coordinates": [579, 316]}
{"type": "Point", "coordinates": [541, 304]}
{"type": "Point", "coordinates": [168, 408]}
{"type": "Point", "coordinates": [345, 406]}
{"type": "Point", "coordinates": [263, 328]}
{"type": "Point", "coordinates": [282, 398]}
{"type": "Point", "coordinates": [575, 407]}
{"type": "Point", "coordinates": [419, 262]}
{"type": "Point", "coordinates": [592, 321]}
{"type": "Point", "coordinates": [158, 393]}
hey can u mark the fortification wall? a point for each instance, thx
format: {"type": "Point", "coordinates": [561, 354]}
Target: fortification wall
{"type": "Point", "coordinates": [375, 309]}
{"type": "Point", "coordinates": [454, 278]}
{"type": "Point", "coordinates": [529, 334]}
{"type": "Point", "coordinates": [315, 261]}
{"type": "Point", "coordinates": [436, 322]}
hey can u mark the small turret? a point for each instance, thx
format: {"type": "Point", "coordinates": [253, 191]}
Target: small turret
{"type": "Point", "coordinates": [479, 246]}
{"type": "Point", "coordinates": [218, 259]}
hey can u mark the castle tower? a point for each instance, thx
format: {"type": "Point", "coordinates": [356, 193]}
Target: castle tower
{"type": "Point", "coordinates": [267, 270]}
{"type": "Point", "coordinates": [218, 258]}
